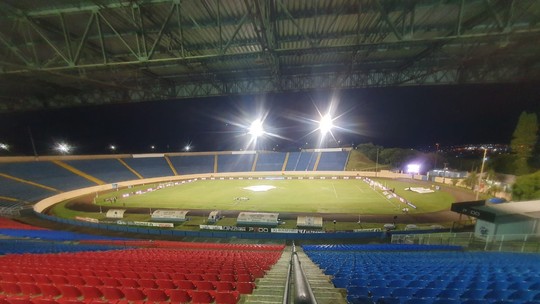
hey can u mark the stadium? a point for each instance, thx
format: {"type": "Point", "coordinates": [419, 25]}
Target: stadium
{"type": "Point", "coordinates": [302, 225]}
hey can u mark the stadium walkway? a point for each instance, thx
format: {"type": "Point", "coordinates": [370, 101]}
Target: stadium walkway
{"type": "Point", "coordinates": [270, 288]}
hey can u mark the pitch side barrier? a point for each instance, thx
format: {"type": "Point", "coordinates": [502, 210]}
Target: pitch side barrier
{"type": "Point", "coordinates": [209, 234]}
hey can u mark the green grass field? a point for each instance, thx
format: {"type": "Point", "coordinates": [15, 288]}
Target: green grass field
{"type": "Point", "coordinates": [314, 196]}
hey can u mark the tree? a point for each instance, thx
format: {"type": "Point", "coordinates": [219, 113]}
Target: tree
{"type": "Point", "coordinates": [471, 180]}
{"type": "Point", "coordinates": [527, 187]}
{"type": "Point", "coordinates": [369, 150]}
{"type": "Point", "coordinates": [524, 141]}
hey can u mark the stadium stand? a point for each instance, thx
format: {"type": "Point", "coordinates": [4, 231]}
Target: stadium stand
{"type": "Point", "coordinates": [47, 174]}
{"type": "Point", "coordinates": [235, 162]}
{"type": "Point", "coordinates": [108, 170]}
{"type": "Point", "coordinates": [333, 161]}
{"type": "Point", "coordinates": [193, 164]}
{"type": "Point", "coordinates": [23, 191]}
{"type": "Point", "coordinates": [270, 161]}
{"type": "Point", "coordinates": [6, 223]}
{"type": "Point", "coordinates": [150, 166]}
{"type": "Point", "coordinates": [138, 275]}
{"type": "Point", "coordinates": [428, 274]}
{"type": "Point", "coordinates": [301, 161]}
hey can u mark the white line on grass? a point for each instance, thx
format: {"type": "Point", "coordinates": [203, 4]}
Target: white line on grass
{"type": "Point", "coordinates": [335, 192]}
{"type": "Point", "coordinates": [397, 208]}
{"type": "Point", "coordinates": [361, 189]}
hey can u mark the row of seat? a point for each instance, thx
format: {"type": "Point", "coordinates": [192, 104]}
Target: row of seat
{"type": "Point", "coordinates": [181, 282]}
{"type": "Point", "coordinates": [433, 276]}
{"type": "Point", "coordinates": [108, 294]}
{"type": "Point", "coordinates": [190, 245]}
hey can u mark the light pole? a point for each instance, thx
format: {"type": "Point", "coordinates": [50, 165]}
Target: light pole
{"type": "Point", "coordinates": [377, 162]}
{"type": "Point", "coordinates": [444, 173]}
{"type": "Point", "coordinates": [481, 172]}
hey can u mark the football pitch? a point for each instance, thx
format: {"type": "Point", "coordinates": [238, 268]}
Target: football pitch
{"type": "Point", "coordinates": [351, 196]}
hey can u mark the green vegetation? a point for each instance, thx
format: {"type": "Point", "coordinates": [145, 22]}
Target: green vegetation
{"type": "Point", "coordinates": [524, 140]}
{"type": "Point", "coordinates": [316, 196]}
{"type": "Point", "coordinates": [527, 187]}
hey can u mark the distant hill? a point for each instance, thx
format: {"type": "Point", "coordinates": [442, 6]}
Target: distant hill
{"type": "Point", "coordinates": [359, 162]}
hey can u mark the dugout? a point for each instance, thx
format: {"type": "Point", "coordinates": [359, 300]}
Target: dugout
{"type": "Point", "coordinates": [162, 215]}
{"type": "Point", "coordinates": [214, 216]}
{"type": "Point", "coordinates": [257, 219]}
{"type": "Point", "coordinates": [115, 213]}
{"type": "Point", "coordinates": [511, 219]}
{"type": "Point", "coordinates": [309, 222]}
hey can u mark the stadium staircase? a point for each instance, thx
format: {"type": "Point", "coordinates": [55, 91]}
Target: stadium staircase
{"type": "Point", "coordinates": [270, 288]}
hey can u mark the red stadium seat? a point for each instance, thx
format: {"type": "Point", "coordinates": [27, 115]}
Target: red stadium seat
{"type": "Point", "coordinates": [10, 288]}
{"type": "Point", "coordinates": [41, 279]}
{"type": "Point", "coordinates": [178, 276]}
{"type": "Point", "coordinates": [59, 279]}
{"type": "Point", "coordinates": [178, 296]}
{"type": "Point", "coordinates": [204, 285]}
{"type": "Point", "coordinates": [201, 296]}
{"type": "Point", "coordinates": [210, 277]}
{"type": "Point", "coordinates": [111, 293]}
{"type": "Point", "coordinates": [125, 282]}
{"type": "Point", "coordinates": [245, 287]}
{"type": "Point", "coordinates": [244, 278]}
{"type": "Point", "coordinates": [93, 281]}
{"type": "Point", "coordinates": [111, 282]}
{"type": "Point", "coordinates": [194, 277]}
{"type": "Point", "coordinates": [224, 286]}
{"type": "Point", "coordinates": [131, 274]}
{"type": "Point", "coordinates": [70, 292]}
{"type": "Point", "coordinates": [75, 280]}
{"type": "Point", "coordinates": [227, 297]}
{"type": "Point", "coordinates": [156, 295]}
{"type": "Point", "coordinates": [146, 275]}
{"type": "Point", "coordinates": [90, 293]}
{"type": "Point", "coordinates": [227, 278]}
{"type": "Point", "coordinates": [162, 275]}
{"type": "Point", "coordinates": [49, 291]}
{"type": "Point", "coordinates": [147, 283]}
{"type": "Point", "coordinates": [165, 284]}
{"type": "Point", "coordinates": [186, 285]}
{"type": "Point", "coordinates": [25, 278]}
{"type": "Point", "coordinates": [30, 289]}
{"type": "Point", "coordinates": [133, 294]}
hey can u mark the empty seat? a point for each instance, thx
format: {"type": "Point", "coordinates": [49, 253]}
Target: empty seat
{"type": "Point", "coordinates": [90, 293]}
{"type": "Point", "coordinates": [198, 296]}
{"type": "Point", "coordinates": [245, 287]}
{"type": "Point", "coordinates": [244, 278]}
{"type": "Point", "coordinates": [30, 289]}
{"type": "Point", "coordinates": [162, 284]}
{"type": "Point", "coordinates": [111, 293]}
{"type": "Point", "coordinates": [147, 283]}
{"type": "Point", "coordinates": [186, 285]}
{"type": "Point", "coordinates": [111, 282]}
{"type": "Point", "coordinates": [133, 294]}
{"type": "Point", "coordinates": [194, 277]}
{"type": "Point", "coordinates": [227, 277]}
{"type": "Point", "coordinates": [132, 283]}
{"type": "Point", "coordinates": [227, 297]}
{"type": "Point", "coordinates": [69, 292]}
{"type": "Point", "coordinates": [178, 296]}
{"type": "Point", "coordinates": [93, 281]}
{"type": "Point", "coordinates": [156, 295]}
{"type": "Point", "coordinates": [10, 288]}
{"type": "Point", "coordinates": [204, 285]}
{"type": "Point", "coordinates": [224, 286]}
{"type": "Point", "coordinates": [49, 291]}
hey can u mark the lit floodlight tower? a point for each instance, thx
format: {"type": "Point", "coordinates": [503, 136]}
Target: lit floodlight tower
{"type": "Point", "coordinates": [256, 129]}
{"type": "Point", "coordinates": [413, 169]}
{"type": "Point", "coordinates": [4, 147]}
{"type": "Point", "coordinates": [63, 148]}
{"type": "Point", "coordinates": [326, 124]}
{"type": "Point", "coordinates": [187, 148]}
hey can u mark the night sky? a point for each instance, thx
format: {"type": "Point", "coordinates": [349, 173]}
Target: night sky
{"type": "Point", "coordinates": [407, 117]}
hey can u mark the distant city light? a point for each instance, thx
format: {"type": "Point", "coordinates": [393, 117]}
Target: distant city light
{"type": "Point", "coordinates": [256, 128]}
{"type": "Point", "coordinates": [63, 148]}
{"type": "Point", "coordinates": [413, 168]}
{"type": "Point", "coordinates": [4, 147]}
{"type": "Point", "coordinates": [153, 147]}
{"type": "Point", "coordinates": [326, 124]}
{"type": "Point", "coordinates": [112, 147]}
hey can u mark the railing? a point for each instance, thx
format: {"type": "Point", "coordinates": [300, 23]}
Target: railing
{"type": "Point", "coordinates": [303, 294]}
{"type": "Point", "coordinates": [505, 242]}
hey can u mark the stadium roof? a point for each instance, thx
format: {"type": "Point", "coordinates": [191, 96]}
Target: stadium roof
{"type": "Point", "coordinates": [60, 53]}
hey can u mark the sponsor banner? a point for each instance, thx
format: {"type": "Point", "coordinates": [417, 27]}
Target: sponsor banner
{"type": "Point", "coordinates": [368, 230]}
{"type": "Point", "coordinates": [145, 224]}
{"type": "Point", "coordinates": [285, 230]}
{"type": "Point", "coordinates": [222, 228]}
{"type": "Point", "coordinates": [87, 219]}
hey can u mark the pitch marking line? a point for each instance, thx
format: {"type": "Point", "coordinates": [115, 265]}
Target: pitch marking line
{"type": "Point", "coordinates": [335, 192]}
{"type": "Point", "coordinates": [391, 203]}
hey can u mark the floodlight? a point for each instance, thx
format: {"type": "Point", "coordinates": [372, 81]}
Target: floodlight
{"type": "Point", "coordinates": [112, 147]}
{"type": "Point", "coordinates": [413, 168]}
{"type": "Point", "coordinates": [256, 128]}
{"type": "Point", "coordinates": [4, 147]}
{"type": "Point", "coordinates": [63, 148]}
{"type": "Point", "coordinates": [187, 148]}
{"type": "Point", "coordinates": [326, 124]}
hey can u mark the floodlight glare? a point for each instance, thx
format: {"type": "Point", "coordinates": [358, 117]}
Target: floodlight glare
{"type": "Point", "coordinates": [326, 124]}
{"type": "Point", "coordinates": [4, 146]}
{"type": "Point", "coordinates": [413, 168]}
{"type": "Point", "coordinates": [256, 128]}
{"type": "Point", "coordinates": [187, 148]}
{"type": "Point", "coordinates": [63, 148]}
{"type": "Point", "coordinates": [112, 147]}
